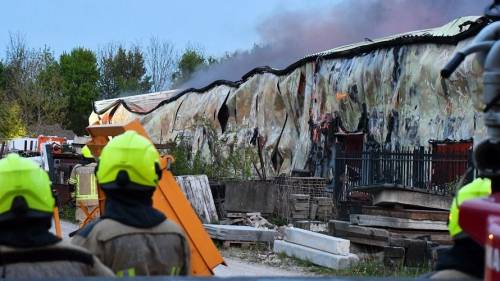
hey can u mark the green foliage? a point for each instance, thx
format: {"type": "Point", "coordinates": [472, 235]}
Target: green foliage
{"type": "Point", "coordinates": [11, 124]}
{"type": "Point", "coordinates": [123, 73]}
{"type": "Point", "coordinates": [191, 60]}
{"type": "Point", "coordinates": [278, 220]}
{"type": "Point", "coordinates": [80, 75]}
{"type": "Point", "coordinates": [67, 213]}
{"type": "Point", "coordinates": [3, 79]}
{"type": "Point", "coordinates": [365, 268]}
{"type": "Point", "coordinates": [227, 161]}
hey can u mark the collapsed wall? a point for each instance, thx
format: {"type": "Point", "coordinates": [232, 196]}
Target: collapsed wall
{"type": "Point", "coordinates": [389, 89]}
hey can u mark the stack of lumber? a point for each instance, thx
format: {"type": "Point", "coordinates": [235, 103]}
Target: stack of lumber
{"type": "Point", "coordinates": [240, 233]}
{"type": "Point", "coordinates": [324, 208]}
{"type": "Point", "coordinates": [317, 248]}
{"type": "Point", "coordinates": [197, 191]}
{"type": "Point", "coordinates": [254, 219]}
{"type": "Point", "coordinates": [405, 235]}
{"type": "Point", "coordinates": [299, 206]}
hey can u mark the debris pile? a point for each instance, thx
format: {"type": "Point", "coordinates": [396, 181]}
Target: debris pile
{"type": "Point", "coordinates": [405, 234]}
{"type": "Point", "coordinates": [254, 219]}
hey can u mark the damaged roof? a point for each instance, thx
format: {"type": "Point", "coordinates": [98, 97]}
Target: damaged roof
{"type": "Point", "coordinates": [449, 34]}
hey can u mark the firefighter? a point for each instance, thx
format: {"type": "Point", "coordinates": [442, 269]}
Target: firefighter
{"type": "Point", "coordinates": [132, 237]}
{"type": "Point", "coordinates": [27, 248]}
{"type": "Point", "coordinates": [465, 260]}
{"type": "Point", "coordinates": [84, 181]}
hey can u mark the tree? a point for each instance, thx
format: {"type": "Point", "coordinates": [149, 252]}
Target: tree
{"type": "Point", "coordinates": [11, 124]}
{"type": "Point", "coordinates": [28, 75]}
{"type": "Point", "coordinates": [80, 75]}
{"type": "Point", "coordinates": [160, 61]}
{"type": "Point", "coordinates": [190, 61]}
{"type": "Point", "coordinates": [122, 72]}
{"type": "Point", "coordinates": [3, 79]}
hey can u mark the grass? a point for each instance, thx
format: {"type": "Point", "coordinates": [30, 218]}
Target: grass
{"type": "Point", "coordinates": [365, 268]}
{"type": "Point", "coordinates": [67, 213]}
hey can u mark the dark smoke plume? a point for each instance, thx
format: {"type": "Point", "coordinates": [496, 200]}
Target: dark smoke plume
{"type": "Point", "coordinates": [290, 35]}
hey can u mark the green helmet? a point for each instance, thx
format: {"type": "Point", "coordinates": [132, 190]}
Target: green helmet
{"type": "Point", "coordinates": [23, 178]}
{"type": "Point", "coordinates": [477, 189]}
{"type": "Point", "coordinates": [129, 158]}
{"type": "Point", "coordinates": [86, 153]}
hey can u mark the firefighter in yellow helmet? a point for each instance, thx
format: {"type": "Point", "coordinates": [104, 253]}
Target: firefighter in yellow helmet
{"type": "Point", "coordinates": [83, 179]}
{"type": "Point", "coordinates": [27, 249]}
{"type": "Point", "coordinates": [86, 153]}
{"type": "Point", "coordinates": [465, 260]}
{"type": "Point", "coordinates": [132, 237]}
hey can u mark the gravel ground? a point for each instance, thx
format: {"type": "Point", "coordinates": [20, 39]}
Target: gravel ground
{"type": "Point", "coordinates": [66, 227]}
{"type": "Point", "coordinates": [238, 267]}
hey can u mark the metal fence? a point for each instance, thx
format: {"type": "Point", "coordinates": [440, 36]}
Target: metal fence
{"type": "Point", "coordinates": [418, 169]}
{"type": "Point", "coordinates": [303, 198]}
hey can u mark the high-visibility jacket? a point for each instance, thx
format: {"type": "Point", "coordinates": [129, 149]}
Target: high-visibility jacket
{"type": "Point", "coordinates": [479, 188]}
{"type": "Point", "coordinates": [83, 177]}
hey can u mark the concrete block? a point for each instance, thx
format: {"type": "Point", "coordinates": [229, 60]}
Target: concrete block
{"type": "Point", "coordinates": [322, 242]}
{"type": "Point", "coordinates": [315, 256]}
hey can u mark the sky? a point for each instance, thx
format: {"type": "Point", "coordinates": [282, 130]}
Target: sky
{"type": "Point", "coordinates": [271, 33]}
{"type": "Point", "coordinates": [218, 26]}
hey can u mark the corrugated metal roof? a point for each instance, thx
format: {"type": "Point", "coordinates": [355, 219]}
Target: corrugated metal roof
{"type": "Point", "coordinates": [451, 33]}
{"type": "Point", "coordinates": [452, 28]}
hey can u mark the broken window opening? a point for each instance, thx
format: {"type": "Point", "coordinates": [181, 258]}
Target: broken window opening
{"type": "Point", "coordinates": [223, 115]}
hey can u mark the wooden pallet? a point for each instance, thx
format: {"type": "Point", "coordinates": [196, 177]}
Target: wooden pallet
{"type": "Point", "coordinates": [241, 244]}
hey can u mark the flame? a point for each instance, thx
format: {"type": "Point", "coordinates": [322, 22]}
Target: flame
{"type": "Point", "coordinates": [340, 96]}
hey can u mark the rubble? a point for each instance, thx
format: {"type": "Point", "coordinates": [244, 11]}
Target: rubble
{"type": "Point", "coordinates": [254, 219]}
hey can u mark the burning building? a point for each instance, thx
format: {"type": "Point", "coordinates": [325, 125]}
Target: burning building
{"type": "Point", "coordinates": [379, 93]}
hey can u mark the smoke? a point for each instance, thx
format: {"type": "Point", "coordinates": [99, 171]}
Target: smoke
{"type": "Point", "coordinates": [290, 35]}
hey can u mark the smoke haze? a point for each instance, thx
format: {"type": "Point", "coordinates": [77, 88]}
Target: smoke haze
{"type": "Point", "coordinates": [290, 35]}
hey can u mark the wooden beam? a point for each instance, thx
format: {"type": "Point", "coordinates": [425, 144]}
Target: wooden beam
{"type": "Point", "coordinates": [397, 223]}
{"type": "Point", "coordinates": [406, 213]}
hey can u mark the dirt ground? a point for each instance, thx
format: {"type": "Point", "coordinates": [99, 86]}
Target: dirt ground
{"type": "Point", "coordinates": [258, 261]}
{"type": "Point", "coordinates": [238, 267]}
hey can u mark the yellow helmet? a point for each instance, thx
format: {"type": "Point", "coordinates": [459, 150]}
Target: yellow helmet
{"type": "Point", "coordinates": [86, 153]}
{"type": "Point", "coordinates": [129, 158]}
{"type": "Point", "coordinates": [478, 188]}
{"type": "Point", "coordinates": [24, 187]}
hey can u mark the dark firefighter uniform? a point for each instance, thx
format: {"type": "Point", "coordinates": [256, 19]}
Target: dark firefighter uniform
{"type": "Point", "coordinates": [27, 249]}
{"type": "Point", "coordinates": [132, 237]}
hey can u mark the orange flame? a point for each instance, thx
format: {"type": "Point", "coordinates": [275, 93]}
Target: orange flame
{"type": "Point", "coordinates": [340, 96]}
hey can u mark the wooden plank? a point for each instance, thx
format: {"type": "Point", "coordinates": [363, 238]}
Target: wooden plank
{"type": "Point", "coordinates": [198, 193]}
{"type": "Point", "coordinates": [239, 233]}
{"type": "Point", "coordinates": [299, 197]}
{"type": "Point", "coordinates": [381, 221]}
{"type": "Point", "coordinates": [406, 213]}
{"type": "Point", "coordinates": [391, 197]}
{"type": "Point", "coordinates": [359, 234]}
{"type": "Point", "coordinates": [235, 215]}
{"type": "Point", "coordinates": [440, 237]}
{"type": "Point", "coordinates": [301, 206]}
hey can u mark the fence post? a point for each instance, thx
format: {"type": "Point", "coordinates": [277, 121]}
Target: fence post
{"type": "Point", "coordinates": [470, 167]}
